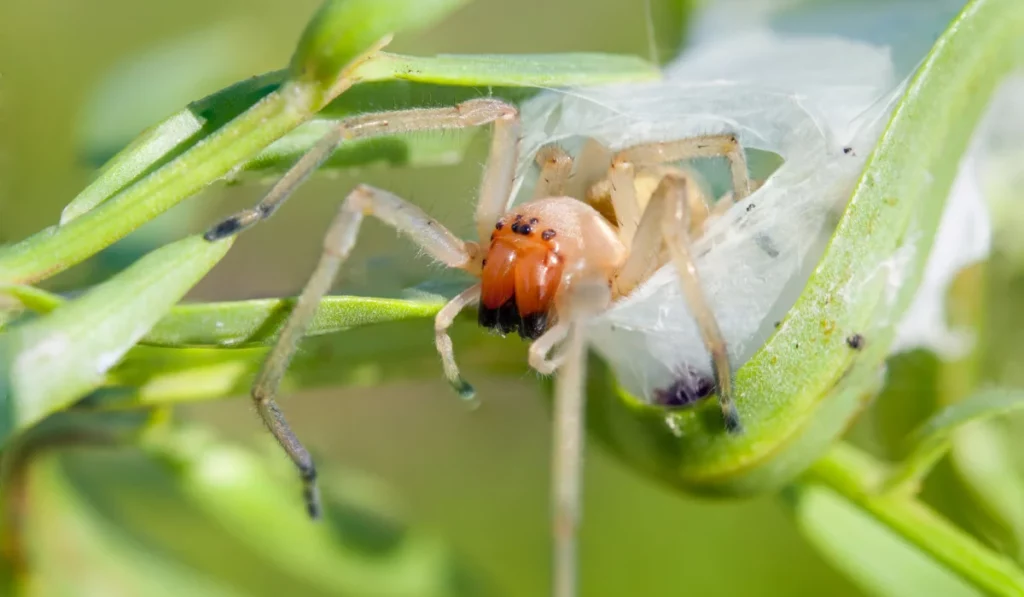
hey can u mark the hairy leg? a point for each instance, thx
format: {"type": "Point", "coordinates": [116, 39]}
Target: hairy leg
{"type": "Point", "coordinates": [555, 169]}
{"type": "Point", "coordinates": [437, 241]}
{"type": "Point", "coordinates": [542, 347]}
{"type": "Point", "coordinates": [586, 298]}
{"type": "Point", "coordinates": [703, 146]}
{"type": "Point", "coordinates": [647, 253]}
{"type": "Point", "coordinates": [626, 163]}
{"type": "Point", "coordinates": [671, 199]}
{"type": "Point", "coordinates": [467, 114]}
{"type": "Point", "coordinates": [444, 320]}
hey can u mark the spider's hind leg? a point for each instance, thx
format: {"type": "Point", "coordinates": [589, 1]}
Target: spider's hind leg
{"type": "Point", "coordinates": [664, 234]}
{"type": "Point", "coordinates": [671, 200]}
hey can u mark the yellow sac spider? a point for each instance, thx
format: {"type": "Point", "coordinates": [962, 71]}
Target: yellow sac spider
{"type": "Point", "coordinates": [544, 266]}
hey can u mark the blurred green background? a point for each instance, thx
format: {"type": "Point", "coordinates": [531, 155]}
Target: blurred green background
{"type": "Point", "coordinates": [478, 479]}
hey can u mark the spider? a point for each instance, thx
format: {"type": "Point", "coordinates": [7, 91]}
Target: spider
{"type": "Point", "coordinates": [545, 266]}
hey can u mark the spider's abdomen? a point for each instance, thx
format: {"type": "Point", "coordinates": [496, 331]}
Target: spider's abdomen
{"type": "Point", "coordinates": [528, 256]}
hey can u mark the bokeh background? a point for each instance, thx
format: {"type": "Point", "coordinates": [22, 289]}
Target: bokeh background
{"type": "Point", "coordinates": [479, 479]}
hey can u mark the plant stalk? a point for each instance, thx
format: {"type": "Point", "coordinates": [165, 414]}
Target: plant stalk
{"type": "Point", "coordinates": [858, 476]}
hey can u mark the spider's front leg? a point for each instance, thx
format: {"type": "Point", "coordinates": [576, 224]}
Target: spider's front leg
{"type": "Point", "coordinates": [471, 113]}
{"type": "Point", "coordinates": [428, 233]}
{"type": "Point", "coordinates": [434, 238]}
{"type": "Point", "coordinates": [586, 296]}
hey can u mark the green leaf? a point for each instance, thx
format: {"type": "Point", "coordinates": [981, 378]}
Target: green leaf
{"type": "Point", "coordinates": [878, 560]}
{"type": "Point", "coordinates": [143, 86]}
{"type": "Point", "coordinates": [799, 392]}
{"type": "Point", "coordinates": [168, 140]}
{"type": "Point", "coordinates": [48, 363]}
{"type": "Point", "coordinates": [529, 70]}
{"type": "Point", "coordinates": [856, 476]}
{"type": "Point", "coordinates": [934, 438]}
{"type": "Point", "coordinates": [983, 458]}
{"type": "Point", "coordinates": [383, 339]}
{"type": "Point", "coordinates": [364, 357]}
{"type": "Point", "coordinates": [259, 321]}
{"type": "Point", "coordinates": [364, 546]}
{"type": "Point", "coordinates": [207, 154]}
{"type": "Point", "coordinates": [234, 129]}
{"type": "Point", "coordinates": [55, 249]}
{"type": "Point", "coordinates": [178, 157]}
{"type": "Point", "coordinates": [342, 30]}
{"type": "Point", "coordinates": [31, 298]}
{"type": "Point", "coordinates": [417, 150]}
{"type": "Point", "coordinates": [76, 550]}
{"type": "Point", "coordinates": [253, 322]}
{"type": "Point", "coordinates": [985, 404]}
{"type": "Point", "coordinates": [16, 298]}
{"type": "Point", "coordinates": [189, 512]}
{"type": "Point", "coordinates": [417, 82]}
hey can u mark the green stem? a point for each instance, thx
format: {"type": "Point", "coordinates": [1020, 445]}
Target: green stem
{"type": "Point", "coordinates": [857, 476]}
{"type": "Point", "coordinates": [58, 248]}
{"type": "Point", "coordinates": [907, 475]}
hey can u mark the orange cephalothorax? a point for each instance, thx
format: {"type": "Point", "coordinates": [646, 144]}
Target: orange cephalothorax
{"type": "Point", "coordinates": [521, 274]}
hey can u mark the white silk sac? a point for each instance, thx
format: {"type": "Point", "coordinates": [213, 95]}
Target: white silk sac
{"type": "Point", "coordinates": [818, 103]}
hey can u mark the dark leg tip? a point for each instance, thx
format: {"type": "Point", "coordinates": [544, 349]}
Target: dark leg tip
{"type": "Point", "coordinates": [228, 227]}
{"type": "Point", "coordinates": [311, 491]}
{"type": "Point", "coordinates": [465, 391]}
{"type": "Point", "coordinates": [313, 506]}
{"type": "Point", "coordinates": [732, 420]}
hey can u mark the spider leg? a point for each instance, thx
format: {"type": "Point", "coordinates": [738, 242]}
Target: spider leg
{"type": "Point", "coordinates": [621, 179]}
{"type": "Point", "coordinates": [647, 253]}
{"type": "Point", "coordinates": [703, 146]}
{"type": "Point", "coordinates": [586, 297]}
{"type": "Point", "coordinates": [341, 236]}
{"type": "Point", "coordinates": [443, 321]}
{"type": "Point", "coordinates": [475, 112]}
{"type": "Point", "coordinates": [555, 169]}
{"type": "Point", "coordinates": [541, 348]}
{"type": "Point", "coordinates": [670, 199]}
{"type": "Point", "coordinates": [625, 164]}
{"type": "Point", "coordinates": [500, 170]}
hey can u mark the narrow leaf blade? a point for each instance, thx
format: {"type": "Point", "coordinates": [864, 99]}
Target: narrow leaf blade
{"type": "Point", "coordinates": [259, 321]}
{"type": "Point", "coordinates": [75, 549]}
{"type": "Point", "coordinates": [985, 404]}
{"type": "Point", "coordinates": [869, 553]}
{"type": "Point", "coordinates": [529, 70]}
{"type": "Point", "coordinates": [343, 29]}
{"type": "Point", "coordinates": [48, 363]}
{"type": "Point", "coordinates": [801, 389]}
